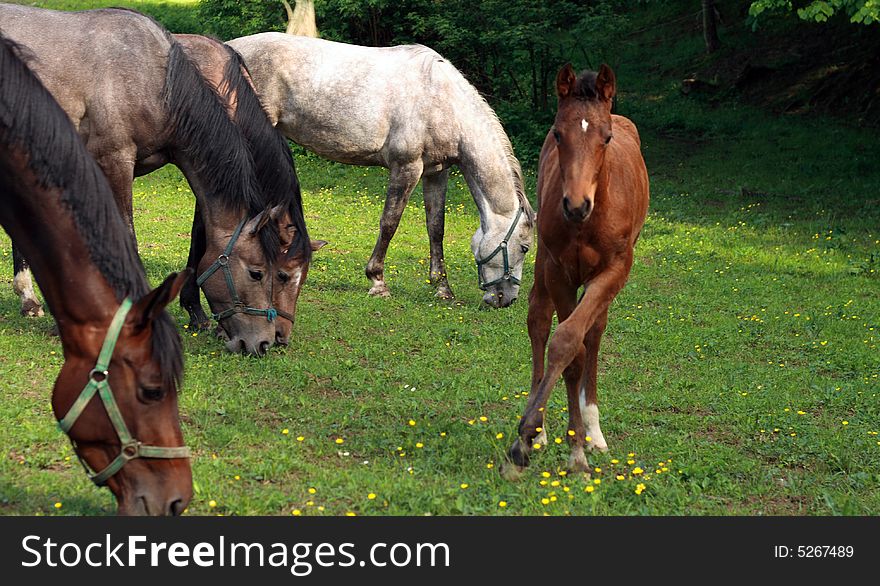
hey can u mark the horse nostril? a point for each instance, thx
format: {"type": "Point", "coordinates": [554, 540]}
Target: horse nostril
{"type": "Point", "coordinates": [586, 207]}
{"type": "Point", "coordinates": [176, 507]}
{"type": "Point", "coordinates": [281, 339]}
{"type": "Point", "coordinates": [242, 346]}
{"type": "Point", "coordinates": [264, 347]}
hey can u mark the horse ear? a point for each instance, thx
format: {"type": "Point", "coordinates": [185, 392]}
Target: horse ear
{"type": "Point", "coordinates": [256, 223]}
{"type": "Point", "coordinates": [606, 83]}
{"type": "Point", "coordinates": [148, 307]}
{"type": "Point", "coordinates": [565, 81]}
{"type": "Point", "coordinates": [318, 245]}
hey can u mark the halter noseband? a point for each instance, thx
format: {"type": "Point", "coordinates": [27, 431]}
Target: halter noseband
{"type": "Point", "coordinates": [502, 248]}
{"type": "Point", "coordinates": [98, 384]}
{"type": "Point", "coordinates": [238, 306]}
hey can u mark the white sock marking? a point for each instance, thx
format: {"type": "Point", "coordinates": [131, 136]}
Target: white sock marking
{"type": "Point", "coordinates": [584, 125]}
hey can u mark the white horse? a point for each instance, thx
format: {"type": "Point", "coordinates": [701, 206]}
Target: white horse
{"type": "Point", "coordinates": [407, 109]}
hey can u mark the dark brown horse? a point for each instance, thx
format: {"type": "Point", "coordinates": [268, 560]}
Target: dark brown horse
{"type": "Point", "coordinates": [224, 69]}
{"type": "Point", "coordinates": [119, 343]}
{"type": "Point", "coordinates": [592, 201]}
{"type": "Point", "coordinates": [139, 102]}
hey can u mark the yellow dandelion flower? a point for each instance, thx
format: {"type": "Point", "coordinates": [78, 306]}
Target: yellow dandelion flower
{"type": "Point", "coordinates": [536, 446]}
{"type": "Point", "coordinates": [632, 454]}
{"type": "Point", "coordinates": [490, 465]}
{"type": "Point", "coordinates": [597, 481]}
{"type": "Point", "coordinates": [339, 440]}
{"type": "Point", "coordinates": [545, 474]}
{"type": "Point", "coordinates": [285, 431]}
{"type": "Point", "coordinates": [312, 490]}
{"type": "Point", "coordinates": [844, 422]}
{"type": "Point", "coordinates": [545, 501]}
{"type": "Point", "coordinates": [464, 485]}
{"type": "Point", "coordinates": [597, 469]}
{"type": "Point", "coordinates": [350, 514]}
{"type": "Point", "coordinates": [296, 512]}
{"type": "Point", "coordinates": [502, 504]}
{"type": "Point", "coordinates": [412, 422]}
{"type": "Point", "coordinates": [588, 439]}
{"type": "Point", "coordinates": [552, 499]}
{"type": "Point", "coordinates": [499, 435]}
{"type": "Point", "coordinates": [571, 432]}
{"type": "Point", "coordinates": [554, 483]}
{"type": "Point", "coordinates": [563, 472]}
{"type": "Point", "coordinates": [589, 488]}
{"type": "Point", "coordinates": [237, 477]}
{"type": "Point", "coordinates": [539, 429]}
{"type": "Point", "coordinates": [483, 418]}
{"type": "Point", "coordinates": [420, 445]}
{"type": "Point", "coordinates": [371, 496]}
{"type": "Point", "coordinates": [637, 470]}
{"type": "Point", "coordinates": [558, 440]}
{"type": "Point", "coordinates": [300, 438]}
{"type": "Point", "coordinates": [620, 477]}
{"type": "Point", "coordinates": [212, 503]}
{"type": "Point", "coordinates": [58, 505]}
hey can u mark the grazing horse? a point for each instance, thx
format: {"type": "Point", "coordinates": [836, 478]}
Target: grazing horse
{"type": "Point", "coordinates": [139, 103]}
{"type": "Point", "coordinates": [409, 110]}
{"type": "Point", "coordinates": [224, 69]}
{"type": "Point", "coordinates": [593, 199]}
{"type": "Point", "coordinates": [119, 343]}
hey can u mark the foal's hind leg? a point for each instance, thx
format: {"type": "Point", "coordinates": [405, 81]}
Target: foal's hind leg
{"type": "Point", "coordinates": [434, 186]}
{"type": "Point", "coordinates": [189, 295]}
{"type": "Point", "coordinates": [400, 185]}
{"type": "Point", "coordinates": [23, 285]}
{"type": "Point", "coordinates": [588, 405]}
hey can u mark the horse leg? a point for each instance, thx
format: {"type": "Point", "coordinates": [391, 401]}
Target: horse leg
{"type": "Point", "coordinates": [576, 432]}
{"type": "Point", "coordinates": [532, 432]}
{"type": "Point", "coordinates": [400, 185]}
{"type": "Point", "coordinates": [23, 285]}
{"type": "Point", "coordinates": [588, 405]}
{"type": "Point", "coordinates": [119, 170]}
{"type": "Point", "coordinates": [434, 186]}
{"type": "Point", "coordinates": [190, 299]}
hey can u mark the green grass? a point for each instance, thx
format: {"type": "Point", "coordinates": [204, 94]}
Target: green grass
{"type": "Point", "coordinates": [747, 335]}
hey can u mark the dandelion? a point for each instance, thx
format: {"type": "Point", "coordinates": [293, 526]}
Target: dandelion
{"type": "Point", "coordinates": [296, 512]}
{"type": "Point", "coordinates": [536, 446]}
{"type": "Point", "coordinates": [300, 438]}
{"type": "Point", "coordinates": [372, 496]}
{"type": "Point", "coordinates": [237, 477]}
{"type": "Point", "coordinates": [545, 501]}
{"type": "Point", "coordinates": [844, 422]}
{"type": "Point", "coordinates": [630, 461]}
{"type": "Point", "coordinates": [464, 485]}
{"type": "Point", "coordinates": [212, 503]}
{"type": "Point", "coordinates": [597, 481]}
{"type": "Point", "coordinates": [615, 461]}
{"type": "Point", "coordinates": [639, 488]}
{"type": "Point", "coordinates": [350, 514]}
{"type": "Point", "coordinates": [637, 470]}
{"type": "Point", "coordinates": [58, 505]}
{"type": "Point", "coordinates": [412, 422]}
{"type": "Point", "coordinates": [545, 474]}
{"type": "Point", "coordinates": [597, 469]}
{"type": "Point", "coordinates": [502, 504]}
{"type": "Point", "coordinates": [620, 477]}
{"type": "Point", "coordinates": [420, 445]}
{"type": "Point", "coordinates": [483, 418]}
{"type": "Point", "coordinates": [554, 483]}
{"type": "Point", "coordinates": [490, 465]}
{"type": "Point", "coordinates": [285, 431]}
{"type": "Point", "coordinates": [558, 440]}
{"type": "Point", "coordinates": [571, 433]}
{"type": "Point", "coordinates": [499, 435]}
{"type": "Point", "coordinates": [339, 440]}
{"type": "Point", "coordinates": [312, 490]}
{"type": "Point", "coordinates": [589, 488]}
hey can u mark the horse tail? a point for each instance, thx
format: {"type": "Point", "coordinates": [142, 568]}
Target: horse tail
{"type": "Point", "coordinates": [274, 166]}
{"type": "Point", "coordinates": [203, 132]}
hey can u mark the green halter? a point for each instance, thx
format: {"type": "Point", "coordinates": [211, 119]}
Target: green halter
{"type": "Point", "coordinates": [238, 306]}
{"type": "Point", "coordinates": [99, 384]}
{"type": "Point", "coordinates": [502, 248]}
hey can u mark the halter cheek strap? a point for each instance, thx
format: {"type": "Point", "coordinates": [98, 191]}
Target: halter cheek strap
{"type": "Point", "coordinates": [238, 306]}
{"type": "Point", "coordinates": [502, 249]}
{"type": "Point", "coordinates": [99, 384]}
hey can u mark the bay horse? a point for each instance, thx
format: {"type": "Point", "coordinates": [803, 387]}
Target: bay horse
{"type": "Point", "coordinates": [139, 102]}
{"type": "Point", "coordinates": [592, 202]}
{"type": "Point", "coordinates": [224, 69]}
{"type": "Point", "coordinates": [119, 343]}
{"type": "Point", "coordinates": [409, 110]}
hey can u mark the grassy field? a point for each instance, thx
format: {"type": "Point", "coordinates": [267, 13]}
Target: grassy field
{"type": "Point", "coordinates": [739, 373]}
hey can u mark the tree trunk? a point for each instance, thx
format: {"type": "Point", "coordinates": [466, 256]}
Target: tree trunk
{"type": "Point", "coordinates": [301, 21]}
{"type": "Point", "coordinates": [710, 30]}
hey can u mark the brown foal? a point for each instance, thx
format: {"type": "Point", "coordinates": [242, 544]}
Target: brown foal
{"type": "Point", "coordinates": [592, 202]}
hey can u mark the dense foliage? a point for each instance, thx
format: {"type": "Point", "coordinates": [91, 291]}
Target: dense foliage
{"type": "Point", "coordinates": [859, 11]}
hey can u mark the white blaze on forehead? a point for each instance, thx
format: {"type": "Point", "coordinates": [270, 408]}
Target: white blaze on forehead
{"type": "Point", "coordinates": [584, 125]}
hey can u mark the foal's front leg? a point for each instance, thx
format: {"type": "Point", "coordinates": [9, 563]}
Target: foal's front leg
{"type": "Point", "coordinates": [400, 185]}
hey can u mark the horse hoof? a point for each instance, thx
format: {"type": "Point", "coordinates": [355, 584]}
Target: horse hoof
{"type": "Point", "coordinates": [54, 331]}
{"type": "Point", "coordinates": [444, 293]}
{"type": "Point", "coordinates": [31, 308]}
{"type": "Point", "coordinates": [380, 291]}
{"type": "Point", "coordinates": [540, 439]}
{"type": "Point", "coordinates": [576, 465]}
{"type": "Point", "coordinates": [199, 326]}
{"type": "Point", "coordinates": [510, 471]}
{"type": "Point", "coordinates": [597, 446]}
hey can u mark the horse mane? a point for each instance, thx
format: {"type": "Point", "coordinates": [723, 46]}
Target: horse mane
{"type": "Point", "coordinates": [203, 131]}
{"type": "Point", "coordinates": [585, 87]}
{"type": "Point", "coordinates": [275, 169]}
{"type": "Point", "coordinates": [494, 124]}
{"type": "Point", "coordinates": [32, 119]}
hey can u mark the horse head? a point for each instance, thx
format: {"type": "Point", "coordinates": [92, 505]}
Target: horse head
{"type": "Point", "coordinates": [582, 131]}
{"type": "Point", "coordinates": [120, 411]}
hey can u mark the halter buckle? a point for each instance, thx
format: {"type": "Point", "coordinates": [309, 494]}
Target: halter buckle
{"type": "Point", "coordinates": [98, 376]}
{"type": "Point", "coordinates": [130, 450]}
{"type": "Point", "coordinates": [223, 260]}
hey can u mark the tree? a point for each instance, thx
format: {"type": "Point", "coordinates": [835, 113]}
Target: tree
{"type": "Point", "coordinates": [710, 28]}
{"type": "Point", "coordinates": [859, 11]}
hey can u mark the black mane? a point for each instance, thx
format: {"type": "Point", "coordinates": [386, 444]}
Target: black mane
{"type": "Point", "coordinates": [275, 168]}
{"type": "Point", "coordinates": [585, 87]}
{"type": "Point", "coordinates": [31, 120]}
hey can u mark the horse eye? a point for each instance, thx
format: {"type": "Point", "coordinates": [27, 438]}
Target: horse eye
{"type": "Point", "coordinates": [556, 135]}
{"type": "Point", "coordinates": [283, 277]}
{"type": "Point", "coordinates": [524, 248]}
{"type": "Point", "coordinates": [256, 275]}
{"type": "Point", "coordinates": [151, 394]}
